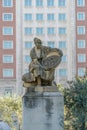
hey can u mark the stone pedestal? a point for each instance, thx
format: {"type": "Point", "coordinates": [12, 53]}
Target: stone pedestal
{"type": "Point", "coordinates": [43, 111]}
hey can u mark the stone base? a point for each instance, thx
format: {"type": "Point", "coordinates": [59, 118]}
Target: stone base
{"type": "Point", "coordinates": [46, 89]}
{"type": "Point", "coordinates": [43, 111]}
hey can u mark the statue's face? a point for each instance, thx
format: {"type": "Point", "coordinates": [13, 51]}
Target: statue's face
{"type": "Point", "coordinates": [38, 44]}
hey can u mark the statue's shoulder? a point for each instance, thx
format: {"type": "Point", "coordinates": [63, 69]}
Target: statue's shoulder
{"type": "Point", "coordinates": [46, 48]}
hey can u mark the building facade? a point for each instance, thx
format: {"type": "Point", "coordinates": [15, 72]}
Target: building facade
{"type": "Point", "coordinates": [7, 47]}
{"type": "Point", "coordinates": [81, 37]}
{"type": "Point", "coordinates": [53, 21]}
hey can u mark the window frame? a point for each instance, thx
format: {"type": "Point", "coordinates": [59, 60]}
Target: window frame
{"type": "Point", "coordinates": [28, 42]}
{"type": "Point", "coordinates": [28, 57]}
{"type": "Point", "coordinates": [81, 33]}
{"type": "Point", "coordinates": [50, 16]}
{"type": "Point", "coordinates": [80, 46]}
{"type": "Point", "coordinates": [80, 18]}
{"type": "Point", "coordinates": [30, 31]}
{"type": "Point", "coordinates": [39, 3]}
{"type": "Point", "coordinates": [51, 30]}
{"type": "Point", "coordinates": [6, 89]}
{"type": "Point", "coordinates": [63, 74]}
{"type": "Point", "coordinates": [50, 4]}
{"type": "Point", "coordinates": [81, 58]}
{"type": "Point", "coordinates": [81, 74]}
{"type": "Point", "coordinates": [52, 44]}
{"type": "Point", "coordinates": [64, 58]}
{"type": "Point", "coordinates": [6, 76]}
{"type": "Point", "coordinates": [61, 18]}
{"type": "Point", "coordinates": [61, 4]}
{"type": "Point", "coordinates": [29, 4]}
{"type": "Point", "coordinates": [7, 19]}
{"type": "Point", "coordinates": [8, 42]}
{"type": "Point", "coordinates": [29, 18]}
{"type": "Point", "coordinates": [7, 5]}
{"type": "Point", "coordinates": [62, 30]}
{"type": "Point", "coordinates": [63, 43]}
{"type": "Point", "coordinates": [9, 27]}
{"type": "Point", "coordinates": [79, 5]}
{"type": "Point", "coordinates": [39, 17]}
{"type": "Point", "coordinates": [4, 60]}
{"type": "Point", "coordinates": [39, 32]}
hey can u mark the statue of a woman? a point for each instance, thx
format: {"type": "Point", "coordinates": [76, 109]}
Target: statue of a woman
{"type": "Point", "coordinates": [42, 66]}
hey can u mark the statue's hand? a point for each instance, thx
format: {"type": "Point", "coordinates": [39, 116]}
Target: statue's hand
{"type": "Point", "coordinates": [60, 52]}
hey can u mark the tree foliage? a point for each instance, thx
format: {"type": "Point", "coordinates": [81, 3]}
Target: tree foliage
{"type": "Point", "coordinates": [75, 98]}
{"type": "Point", "coordinates": [8, 106]}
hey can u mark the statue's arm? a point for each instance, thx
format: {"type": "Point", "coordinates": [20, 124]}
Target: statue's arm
{"type": "Point", "coordinates": [60, 52]}
{"type": "Point", "coordinates": [33, 54]}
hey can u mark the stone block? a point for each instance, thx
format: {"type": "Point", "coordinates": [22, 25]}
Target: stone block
{"type": "Point", "coordinates": [43, 111]}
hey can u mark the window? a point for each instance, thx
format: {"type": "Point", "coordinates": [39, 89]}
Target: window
{"type": "Point", "coordinates": [39, 17]}
{"type": "Point", "coordinates": [50, 17]}
{"type": "Point", "coordinates": [7, 30]}
{"type": "Point", "coordinates": [80, 16]}
{"type": "Point", "coordinates": [81, 58]}
{"type": "Point", "coordinates": [7, 72]}
{"type": "Point", "coordinates": [28, 3]}
{"type": "Point", "coordinates": [28, 45]}
{"type": "Point", "coordinates": [7, 17]}
{"type": "Point", "coordinates": [62, 31]}
{"type": "Point", "coordinates": [50, 30]}
{"type": "Point", "coordinates": [61, 3]}
{"type": "Point", "coordinates": [39, 31]}
{"type": "Point", "coordinates": [7, 44]}
{"type": "Point", "coordinates": [51, 44]}
{"type": "Point", "coordinates": [81, 30]}
{"type": "Point", "coordinates": [39, 3]}
{"type": "Point", "coordinates": [62, 44]}
{"type": "Point", "coordinates": [27, 58]}
{"type": "Point", "coordinates": [81, 3]}
{"type": "Point", "coordinates": [64, 58]}
{"type": "Point", "coordinates": [7, 59]}
{"type": "Point", "coordinates": [28, 31]}
{"type": "Point", "coordinates": [28, 17]}
{"type": "Point", "coordinates": [50, 3]}
{"type": "Point", "coordinates": [62, 17]}
{"type": "Point", "coordinates": [81, 43]}
{"type": "Point", "coordinates": [8, 91]}
{"type": "Point", "coordinates": [62, 72]}
{"type": "Point", "coordinates": [7, 3]}
{"type": "Point", "coordinates": [81, 71]}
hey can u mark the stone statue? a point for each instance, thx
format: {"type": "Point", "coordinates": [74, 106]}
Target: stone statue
{"type": "Point", "coordinates": [42, 67]}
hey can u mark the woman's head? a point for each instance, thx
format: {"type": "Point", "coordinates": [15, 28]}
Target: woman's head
{"type": "Point", "coordinates": [37, 42]}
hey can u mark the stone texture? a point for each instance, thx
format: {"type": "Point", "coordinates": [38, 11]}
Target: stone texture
{"type": "Point", "coordinates": [43, 111]}
{"type": "Point", "coordinates": [46, 89]}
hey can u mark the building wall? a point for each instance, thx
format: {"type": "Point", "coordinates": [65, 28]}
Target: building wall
{"type": "Point", "coordinates": [81, 35]}
{"type": "Point", "coordinates": [66, 70]}
{"type": "Point", "coordinates": [7, 46]}
{"type": "Point", "coordinates": [19, 49]}
{"type": "Point", "coordinates": [60, 19]}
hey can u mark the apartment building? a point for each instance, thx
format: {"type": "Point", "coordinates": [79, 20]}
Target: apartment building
{"type": "Point", "coordinates": [81, 37]}
{"type": "Point", "coordinates": [53, 21]}
{"type": "Point", "coordinates": [7, 47]}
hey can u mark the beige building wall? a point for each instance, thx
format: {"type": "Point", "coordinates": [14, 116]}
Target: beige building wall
{"type": "Point", "coordinates": [67, 67]}
{"type": "Point", "coordinates": [19, 42]}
